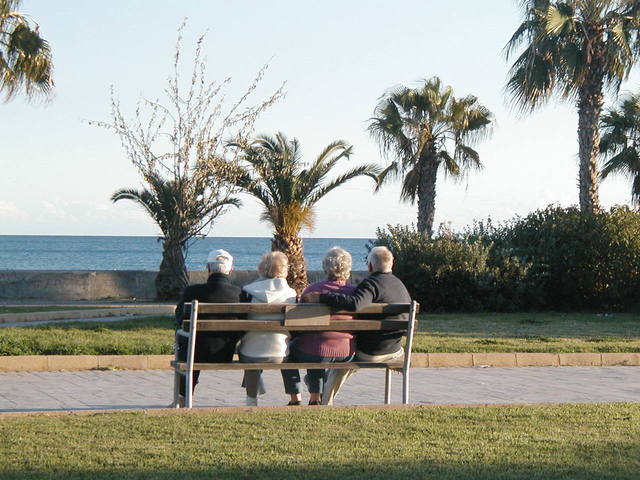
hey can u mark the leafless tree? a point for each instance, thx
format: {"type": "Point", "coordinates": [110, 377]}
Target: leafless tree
{"type": "Point", "coordinates": [177, 145]}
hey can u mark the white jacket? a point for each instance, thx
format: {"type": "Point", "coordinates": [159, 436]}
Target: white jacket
{"type": "Point", "coordinates": [267, 344]}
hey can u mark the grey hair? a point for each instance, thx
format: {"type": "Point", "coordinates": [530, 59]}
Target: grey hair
{"type": "Point", "coordinates": [273, 265]}
{"type": "Point", "coordinates": [380, 259]}
{"type": "Point", "coordinates": [337, 264]}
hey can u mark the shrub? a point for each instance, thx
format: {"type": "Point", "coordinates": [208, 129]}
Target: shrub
{"type": "Point", "coordinates": [580, 260]}
{"type": "Point", "coordinates": [452, 274]}
{"type": "Point", "coordinates": [554, 258]}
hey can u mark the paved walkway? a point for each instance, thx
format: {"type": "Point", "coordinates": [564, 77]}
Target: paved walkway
{"type": "Point", "coordinates": [90, 390]}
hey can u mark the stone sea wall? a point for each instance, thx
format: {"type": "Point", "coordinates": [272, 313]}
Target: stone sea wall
{"type": "Point", "coordinates": [103, 284]}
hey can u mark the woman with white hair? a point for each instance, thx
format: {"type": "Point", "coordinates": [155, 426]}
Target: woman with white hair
{"type": "Point", "coordinates": [322, 346]}
{"type": "Point", "coordinates": [265, 347]}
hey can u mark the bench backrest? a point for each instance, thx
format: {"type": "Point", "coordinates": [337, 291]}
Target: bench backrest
{"type": "Point", "coordinates": [301, 316]}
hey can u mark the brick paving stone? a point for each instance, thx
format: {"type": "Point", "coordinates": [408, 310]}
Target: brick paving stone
{"type": "Point", "coordinates": [81, 390]}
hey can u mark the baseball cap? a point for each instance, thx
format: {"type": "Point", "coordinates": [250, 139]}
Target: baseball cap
{"type": "Point", "coordinates": [220, 256]}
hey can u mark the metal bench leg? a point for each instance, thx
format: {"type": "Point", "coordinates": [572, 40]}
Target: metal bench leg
{"type": "Point", "coordinates": [405, 387]}
{"type": "Point", "coordinates": [193, 327]}
{"type": "Point", "coordinates": [176, 389]}
{"type": "Point", "coordinates": [387, 386]}
{"type": "Point", "coordinates": [176, 377]}
{"type": "Point", "coordinates": [407, 356]}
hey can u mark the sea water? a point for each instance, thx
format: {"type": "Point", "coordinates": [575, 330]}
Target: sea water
{"type": "Point", "coordinates": [43, 252]}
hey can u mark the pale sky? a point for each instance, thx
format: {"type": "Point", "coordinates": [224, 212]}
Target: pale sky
{"type": "Point", "coordinates": [337, 58]}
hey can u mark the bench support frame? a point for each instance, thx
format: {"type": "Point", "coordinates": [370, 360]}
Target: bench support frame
{"type": "Point", "coordinates": [186, 369]}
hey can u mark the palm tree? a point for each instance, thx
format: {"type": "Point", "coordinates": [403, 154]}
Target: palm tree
{"type": "Point", "coordinates": [423, 129]}
{"type": "Point", "coordinates": [271, 169]}
{"type": "Point", "coordinates": [620, 143]}
{"type": "Point", "coordinates": [25, 57]}
{"type": "Point", "coordinates": [170, 203]}
{"type": "Point", "coordinates": [576, 49]}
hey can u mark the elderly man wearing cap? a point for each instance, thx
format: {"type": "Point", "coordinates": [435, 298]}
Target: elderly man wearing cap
{"type": "Point", "coordinates": [215, 347]}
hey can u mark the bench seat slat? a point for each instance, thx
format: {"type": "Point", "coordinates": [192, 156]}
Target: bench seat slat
{"type": "Point", "coordinates": [276, 325]}
{"type": "Point", "coordinates": [287, 366]}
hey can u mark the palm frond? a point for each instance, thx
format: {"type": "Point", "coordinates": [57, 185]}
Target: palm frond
{"type": "Point", "coordinates": [369, 170]}
{"type": "Point", "coordinates": [467, 158]}
{"type": "Point", "coordinates": [322, 166]}
{"type": "Point", "coordinates": [25, 57]}
{"type": "Point", "coordinates": [387, 128]}
{"type": "Point", "coordinates": [390, 173]}
{"type": "Point", "coordinates": [532, 79]}
{"type": "Point", "coordinates": [410, 184]}
{"type": "Point", "coordinates": [451, 167]}
{"type": "Point", "coordinates": [522, 33]}
{"type": "Point", "coordinates": [625, 163]}
{"type": "Point", "coordinates": [635, 191]}
{"type": "Point", "coordinates": [289, 219]}
{"type": "Point", "coordinates": [559, 19]}
{"type": "Point", "coordinates": [620, 139]}
{"type": "Point", "coordinates": [147, 200]}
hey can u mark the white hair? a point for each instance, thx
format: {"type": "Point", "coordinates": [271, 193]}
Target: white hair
{"type": "Point", "coordinates": [219, 267]}
{"type": "Point", "coordinates": [380, 259]}
{"type": "Point", "coordinates": [337, 264]}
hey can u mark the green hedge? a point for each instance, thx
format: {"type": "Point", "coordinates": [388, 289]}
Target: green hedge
{"type": "Point", "coordinates": [552, 259]}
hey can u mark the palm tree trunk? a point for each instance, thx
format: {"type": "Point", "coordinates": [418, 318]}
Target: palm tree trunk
{"type": "Point", "coordinates": [590, 101]}
{"type": "Point", "coordinates": [427, 195]}
{"type": "Point", "coordinates": [291, 246]}
{"type": "Point", "coordinates": [172, 277]}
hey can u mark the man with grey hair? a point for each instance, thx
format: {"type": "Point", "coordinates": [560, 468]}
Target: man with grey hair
{"type": "Point", "coordinates": [381, 286]}
{"type": "Point", "coordinates": [217, 347]}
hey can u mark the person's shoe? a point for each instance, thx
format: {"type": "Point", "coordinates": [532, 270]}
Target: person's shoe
{"type": "Point", "coordinates": [293, 403]}
{"type": "Point", "coordinates": [251, 401]}
{"type": "Point", "coordinates": [315, 402]}
{"type": "Point", "coordinates": [178, 404]}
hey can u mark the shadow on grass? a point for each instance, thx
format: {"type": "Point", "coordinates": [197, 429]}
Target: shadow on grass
{"type": "Point", "coordinates": [418, 470]}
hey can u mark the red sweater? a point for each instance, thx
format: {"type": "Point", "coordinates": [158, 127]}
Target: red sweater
{"type": "Point", "coordinates": [327, 344]}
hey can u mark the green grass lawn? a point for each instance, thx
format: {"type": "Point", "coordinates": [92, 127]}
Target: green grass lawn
{"type": "Point", "coordinates": [572, 442]}
{"type": "Point", "coordinates": [44, 308]}
{"type": "Point", "coordinates": [138, 336]}
{"type": "Point", "coordinates": [530, 332]}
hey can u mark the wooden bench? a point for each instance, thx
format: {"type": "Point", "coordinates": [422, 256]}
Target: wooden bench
{"type": "Point", "coordinates": [208, 317]}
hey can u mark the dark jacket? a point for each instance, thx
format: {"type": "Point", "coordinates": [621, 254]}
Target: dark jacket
{"type": "Point", "coordinates": [210, 346]}
{"type": "Point", "coordinates": [218, 289]}
{"type": "Point", "coordinates": [376, 288]}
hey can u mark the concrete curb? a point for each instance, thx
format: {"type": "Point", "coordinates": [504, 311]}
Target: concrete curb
{"type": "Point", "coordinates": [82, 314]}
{"type": "Point", "coordinates": [45, 363]}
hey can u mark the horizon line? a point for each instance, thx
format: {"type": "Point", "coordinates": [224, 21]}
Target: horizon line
{"type": "Point", "coordinates": [154, 236]}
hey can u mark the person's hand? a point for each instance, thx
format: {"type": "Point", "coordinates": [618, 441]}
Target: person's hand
{"type": "Point", "coordinates": [311, 298]}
